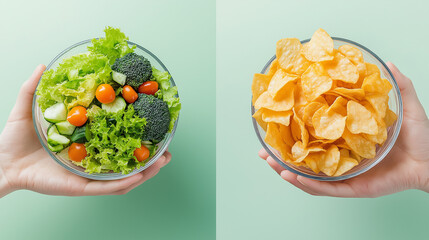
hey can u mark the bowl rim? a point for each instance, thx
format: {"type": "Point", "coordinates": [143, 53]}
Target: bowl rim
{"type": "Point", "coordinates": [354, 174]}
{"type": "Point", "coordinates": [105, 176]}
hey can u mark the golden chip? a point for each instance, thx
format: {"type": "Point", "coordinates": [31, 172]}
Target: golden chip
{"type": "Point", "coordinates": [344, 152]}
{"type": "Point", "coordinates": [379, 103]}
{"type": "Point", "coordinates": [312, 160]}
{"type": "Point", "coordinates": [259, 85]}
{"type": "Point", "coordinates": [341, 68]}
{"type": "Point", "coordinates": [258, 117]}
{"type": "Point", "coordinates": [267, 101]}
{"type": "Point", "coordinates": [371, 69]}
{"type": "Point", "coordinates": [288, 53]}
{"type": "Point", "coordinates": [339, 106]}
{"type": "Point", "coordinates": [299, 151]}
{"type": "Point", "coordinates": [286, 133]}
{"type": "Point", "coordinates": [273, 68]}
{"type": "Point", "coordinates": [274, 139]}
{"type": "Point", "coordinates": [374, 84]}
{"type": "Point", "coordinates": [315, 81]}
{"type": "Point", "coordinates": [328, 124]}
{"type": "Point", "coordinates": [381, 135]}
{"type": "Point", "coordinates": [277, 117]}
{"type": "Point", "coordinates": [309, 111]}
{"type": "Point", "coordinates": [352, 53]}
{"type": "Point", "coordinates": [320, 47]}
{"type": "Point", "coordinates": [279, 80]}
{"type": "Point", "coordinates": [359, 144]}
{"type": "Point", "coordinates": [299, 94]}
{"type": "Point", "coordinates": [360, 119]}
{"type": "Point", "coordinates": [390, 118]}
{"type": "Point", "coordinates": [345, 164]}
{"type": "Point", "coordinates": [355, 93]}
{"type": "Point", "coordinates": [328, 164]}
{"type": "Point", "coordinates": [301, 132]}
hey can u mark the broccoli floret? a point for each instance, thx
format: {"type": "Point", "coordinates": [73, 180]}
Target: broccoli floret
{"type": "Point", "coordinates": [157, 117]}
{"type": "Point", "coordinates": [137, 69]}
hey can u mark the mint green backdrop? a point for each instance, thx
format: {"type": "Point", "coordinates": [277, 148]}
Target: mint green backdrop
{"type": "Point", "coordinates": [178, 203]}
{"type": "Point", "coordinates": [253, 202]}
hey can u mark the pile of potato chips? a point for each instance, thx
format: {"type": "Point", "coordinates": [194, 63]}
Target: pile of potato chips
{"type": "Point", "coordinates": [322, 108]}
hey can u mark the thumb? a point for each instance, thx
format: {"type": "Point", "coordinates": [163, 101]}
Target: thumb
{"type": "Point", "coordinates": [23, 105]}
{"type": "Point", "coordinates": [412, 106]}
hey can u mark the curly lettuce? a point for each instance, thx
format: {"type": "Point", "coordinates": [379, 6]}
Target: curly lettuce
{"type": "Point", "coordinates": [167, 94]}
{"type": "Point", "coordinates": [114, 137]}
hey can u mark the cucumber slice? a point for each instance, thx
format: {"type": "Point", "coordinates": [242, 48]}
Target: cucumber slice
{"type": "Point", "coordinates": [55, 148]}
{"type": "Point", "coordinates": [52, 129]}
{"type": "Point", "coordinates": [58, 139]}
{"type": "Point", "coordinates": [65, 128]}
{"type": "Point", "coordinates": [115, 106]}
{"type": "Point", "coordinates": [119, 77]}
{"type": "Point", "coordinates": [56, 113]}
{"type": "Point", "coordinates": [80, 135]}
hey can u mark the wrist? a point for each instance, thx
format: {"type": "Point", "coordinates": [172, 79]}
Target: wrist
{"type": "Point", "coordinates": [423, 177]}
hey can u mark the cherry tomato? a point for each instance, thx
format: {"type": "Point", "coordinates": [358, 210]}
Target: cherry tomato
{"type": "Point", "coordinates": [149, 88]}
{"type": "Point", "coordinates": [77, 152]}
{"type": "Point", "coordinates": [141, 153]}
{"type": "Point", "coordinates": [105, 93]}
{"type": "Point", "coordinates": [77, 116]}
{"type": "Point", "coordinates": [129, 94]}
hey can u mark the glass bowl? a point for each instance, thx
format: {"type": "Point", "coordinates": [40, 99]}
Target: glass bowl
{"type": "Point", "coordinates": [395, 104]}
{"type": "Point", "coordinates": [41, 125]}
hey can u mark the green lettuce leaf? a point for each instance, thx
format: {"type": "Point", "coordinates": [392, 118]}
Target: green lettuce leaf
{"type": "Point", "coordinates": [167, 94]}
{"type": "Point", "coordinates": [115, 136]}
{"type": "Point", "coordinates": [114, 45]}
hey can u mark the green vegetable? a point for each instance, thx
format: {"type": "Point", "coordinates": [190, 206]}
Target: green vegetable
{"type": "Point", "coordinates": [115, 136]}
{"type": "Point", "coordinates": [65, 127]}
{"type": "Point", "coordinates": [114, 45]}
{"type": "Point", "coordinates": [157, 115]}
{"type": "Point", "coordinates": [115, 106]}
{"type": "Point", "coordinates": [167, 94]}
{"type": "Point", "coordinates": [80, 135]}
{"type": "Point", "coordinates": [136, 68]}
{"type": "Point", "coordinates": [55, 113]}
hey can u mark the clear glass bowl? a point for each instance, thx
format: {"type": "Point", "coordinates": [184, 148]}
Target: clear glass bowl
{"type": "Point", "coordinates": [41, 125]}
{"type": "Point", "coordinates": [395, 104]}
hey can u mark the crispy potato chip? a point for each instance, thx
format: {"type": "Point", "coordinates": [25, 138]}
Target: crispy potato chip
{"type": "Point", "coordinates": [315, 81]}
{"type": "Point", "coordinates": [359, 144]}
{"type": "Point", "coordinates": [379, 103]}
{"type": "Point", "coordinates": [288, 53]}
{"type": "Point", "coordinates": [390, 118]}
{"type": "Point", "coordinates": [313, 134]}
{"type": "Point", "coordinates": [301, 132]}
{"type": "Point", "coordinates": [374, 84]}
{"type": "Point", "coordinates": [299, 151]}
{"type": "Point", "coordinates": [352, 53]}
{"type": "Point", "coordinates": [362, 73]}
{"type": "Point", "coordinates": [328, 164]}
{"type": "Point", "coordinates": [344, 152]}
{"type": "Point", "coordinates": [258, 117]}
{"type": "Point", "coordinates": [279, 80]}
{"type": "Point", "coordinates": [341, 68]}
{"type": "Point", "coordinates": [286, 134]}
{"type": "Point", "coordinates": [330, 98]}
{"type": "Point", "coordinates": [319, 48]}
{"type": "Point", "coordinates": [259, 85]}
{"type": "Point", "coordinates": [299, 94]}
{"type": "Point", "coordinates": [309, 111]}
{"type": "Point", "coordinates": [321, 100]}
{"type": "Point", "coordinates": [267, 101]}
{"type": "Point", "coordinates": [312, 159]}
{"type": "Point", "coordinates": [381, 135]}
{"type": "Point", "coordinates": [356, 156]}
{"type": "Point", "coordinates": [328, 124]}
{"type": "Point", "coordinates": [339, 106]}
{"type": "Point", "coordinates": [360, 119]}
{"type": "Point", "coordinates": [371, 69]}
{"type": "Point", "coordinates": [354, 94]}
{"type": "Point", "coordinates": [273, 68]}
{"type": "Point", "coordinates": [277, 117]}
{"type": "Point", "coordinates": [345, 164]}
{"type": "Point", "coordinates": [273, 137]}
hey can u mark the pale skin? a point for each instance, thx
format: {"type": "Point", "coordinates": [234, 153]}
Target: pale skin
{"type": "Point", "coordinates": [405, 167]}
{"type": "Point", "coordinates": [24, 163]}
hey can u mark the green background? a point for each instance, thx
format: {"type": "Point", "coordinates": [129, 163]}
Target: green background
{"type": "Point", "coordinates": [253, 202]}
{"type": "Point", "coordinates": [178, 203]}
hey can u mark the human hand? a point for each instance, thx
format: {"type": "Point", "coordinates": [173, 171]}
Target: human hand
{"type": "Point", "coordinates": [405, 167]}
{"type": "Point", "coordinates": [24, 164]}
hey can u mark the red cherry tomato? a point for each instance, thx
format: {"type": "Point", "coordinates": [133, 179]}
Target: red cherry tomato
{"type": "Point", "coordinates": [105, 93]}
{"type": "Point", "coordinates": [77, 152]}
{"type": "Point", "coordinates": [141, 153]}
{"type": "Point", "coordinates": [149, 88]}
{"type": "Point", "coordinates": [129, 94]}
{"type": "Point", "coordinates": [77, 116]}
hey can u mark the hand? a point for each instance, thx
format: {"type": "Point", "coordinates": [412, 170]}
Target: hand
{"type": "Point", "coordinates": [24, 164]}
{"type": "Point", "coordinates": [405, 167]}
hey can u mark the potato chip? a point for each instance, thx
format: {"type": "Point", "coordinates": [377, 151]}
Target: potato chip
{"type": "Point", "coordinates": [312, 159]}
{"type": "Point", "coordinates": [299, 151]}
{"type": "Point", "coordinates": [309, 111]}
{"type": "Point", "coordinates": [354, 94]}
{"type": "Point", "coordinates": [345, 164]}
{"type": "Point", "coordinates": [339, 106]}
{"type": "Point", "coordinates": [352, 53]}
{"type": "Point", "coordinates": [273, 68]}
{"type": "Point", "coordinates": [258, 117]}
{"type": "Point", "coordinates": [362, 73]}
{"type": "Point", "coordinates": [277, 117]}
{"type": "Point", "coordinates": [379, 103]}
{"type": "Point", "coordinates": [359, 144]}
{"type": "Point", "coordinates": [381, 135]}
{"type": "Point", "coordinates": [301, 132]}
{"type": "Point", "coordinates": [341, 68]}
{"type": "Point", "coordinates": [319, 48]}
{"type": "Point", "coordinates": [390, 118]}
{"type": "Point", "coordinates": [279, 80]}
{"type": "Point", "coordinates": [371, 69]}
{"type": "Point", "coordinates": [313, 134]}
{"type": "Point", "coordinates": [299, 94]}
{"type": "Point", "coordinates": [374, 84]}
{"type": "Point", "coordinates": [315, 81]}
{"type": "Point", "coordinates": [360, 119]}
{"type": "Point", "coordinates": [328, 124]}
{"type": "Point", "coordinates": [286, 134]}
{"type": "Point", "coordinates": [267, 101]}
{"type": "Point", "coordinates": [288, 53]}
{"type": "Point", "coordinates": [259, 85]}
{"type": "Point", "coordinates": [273, 137]}
{"type": "Point", "coordinates": [356, 156]}
{"type": "Point", "coordinates": [328, 164]}
{"type": "Point", "coordinates": [344, 152]}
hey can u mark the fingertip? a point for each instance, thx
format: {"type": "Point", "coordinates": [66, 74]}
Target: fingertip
{"type": "Point", "coordinates": [288, 175]}
{"type": "Point", "coordinates": [263, 154]}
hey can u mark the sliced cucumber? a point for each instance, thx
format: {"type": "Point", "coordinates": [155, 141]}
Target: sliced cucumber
{"type": "Point", "coordinates": [56, 113]}
{"type": "Point", "coordinates": [55, 148]}
{"type": "Point", "coordinates": [81, 134]}
{"type": "Point", "coordinates": [52, 129]}
{"type": "Point", "coordinates": [119, 77]}
{"type": "Point", "coordinates": [65, 128]}
{"type": "Point", "coordinates": [115, 106]}
{"type": "Point", "coordinates": [58, 139]}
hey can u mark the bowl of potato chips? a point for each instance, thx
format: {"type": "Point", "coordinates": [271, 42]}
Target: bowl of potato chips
{"type": "Point", "coordinates": [326, 108]}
